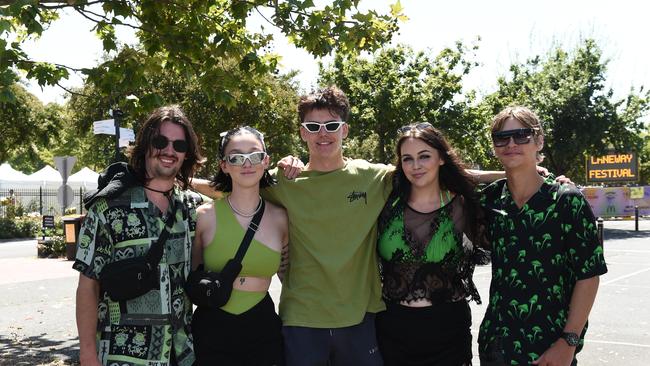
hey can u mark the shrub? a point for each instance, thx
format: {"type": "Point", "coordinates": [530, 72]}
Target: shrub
{"type": "Point", "coordinates": [27, 227]}
{"type": "Point", "coordinates": [7, 228]}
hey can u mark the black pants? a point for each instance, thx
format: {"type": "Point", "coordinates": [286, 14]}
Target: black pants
{"type": "Point", "coordinates": [434, 335]}
{"type": "Point", "coordinates": [355, 345]}
{"type": "Point", "coordinates": [253, 338]}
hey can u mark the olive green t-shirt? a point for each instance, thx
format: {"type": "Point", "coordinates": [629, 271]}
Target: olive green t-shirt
{"type": "Point", "coordinates": [333, 275]}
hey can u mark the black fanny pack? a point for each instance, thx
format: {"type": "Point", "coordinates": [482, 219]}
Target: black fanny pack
{"type": "Point", "coordinates": [213, 289]}
{"type": "Point", "coordinates": [132, 277]}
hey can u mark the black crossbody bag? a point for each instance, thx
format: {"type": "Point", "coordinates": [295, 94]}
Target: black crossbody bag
{"type": "Point", "coordinates": [213, 289]}
{"type": "Point", "coordinates": [133, 277]}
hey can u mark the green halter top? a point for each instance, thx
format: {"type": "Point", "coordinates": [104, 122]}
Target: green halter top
{"type": "Point", "coordinates": [259, 261]}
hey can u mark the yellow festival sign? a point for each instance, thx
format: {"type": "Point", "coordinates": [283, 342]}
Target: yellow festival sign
{"type": "Point", "coordinates": [613, 167]}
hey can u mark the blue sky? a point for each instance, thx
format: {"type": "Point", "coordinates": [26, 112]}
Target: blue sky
{"type": "Point", "coordinates": [510, 31]}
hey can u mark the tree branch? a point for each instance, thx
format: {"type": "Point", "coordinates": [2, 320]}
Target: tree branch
{"type": "Point", "coordinates": [71, 91]}
{"type": "Point", "coordinates": [53, 63]}
{"type": "Point", "coordinates": [62, 4]}
{"type": "Point", "coordinates": [107, 19]}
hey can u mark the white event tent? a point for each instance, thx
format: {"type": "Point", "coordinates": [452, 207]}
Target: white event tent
{"type": "Point", "coordinates": [84, 178]}
{"type": "Point", "coordinates": [47, 177]}
{"type": "Point", "coordinates": [11, 178]}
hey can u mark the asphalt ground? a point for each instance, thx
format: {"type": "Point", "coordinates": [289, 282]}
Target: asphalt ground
{"type": "Point", "coordinates": [37, 325]}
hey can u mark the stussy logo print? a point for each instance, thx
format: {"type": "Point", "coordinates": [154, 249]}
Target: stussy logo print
{"type": "Point", "coordinates": [354, 196]}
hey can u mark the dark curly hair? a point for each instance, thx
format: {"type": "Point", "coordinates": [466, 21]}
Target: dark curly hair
{"type": "Point", "coordinates": [330, 98]}
{"type": "Point", "coordinates": [151, 128]}
{"type": "Point", "coordinates": [453, 176]}
{"type": "Point", "coordinates": [222, 181]}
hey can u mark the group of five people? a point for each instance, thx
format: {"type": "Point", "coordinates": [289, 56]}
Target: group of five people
{"type": "Point", "coordinates": [376, 261]}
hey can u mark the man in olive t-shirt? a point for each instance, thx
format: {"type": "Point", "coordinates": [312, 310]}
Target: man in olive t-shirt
{"type": "Point", "coordinates": [332, 289]}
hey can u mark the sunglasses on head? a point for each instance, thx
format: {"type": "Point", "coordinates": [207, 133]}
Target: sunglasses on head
{"type": "Point", "coordinates": [160, 142]}
{"type": "Point", "coordinates": [240, 159]}
{"type": "Point", "coordinates": [521, 136]}
{"type": "Point", "coordinates": [330, 126]}
{"type": "Point", "coordinates": [414, 126]}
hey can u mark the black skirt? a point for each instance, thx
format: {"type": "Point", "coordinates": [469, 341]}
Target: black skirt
{"type": "Point", "coordinates": [437, 335]}
{"type": "Point", "coordinates": [253, 338]}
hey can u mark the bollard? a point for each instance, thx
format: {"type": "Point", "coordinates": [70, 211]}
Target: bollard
{"type": "Point", "coordinates": [636, 218]}
{"type": "Point", "coordinates": [600, 230]}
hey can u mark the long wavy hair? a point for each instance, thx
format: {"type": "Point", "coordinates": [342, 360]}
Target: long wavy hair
{"type": "Point", "coordinates": [222, 181]}
{"type": "Point", "coordinates": [452, 175]}
{"type": "Point", "coordinates": [151, 128]}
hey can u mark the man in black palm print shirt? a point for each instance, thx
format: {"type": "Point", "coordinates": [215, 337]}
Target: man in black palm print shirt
{"type": "Point", "coordinates": [546, 257]}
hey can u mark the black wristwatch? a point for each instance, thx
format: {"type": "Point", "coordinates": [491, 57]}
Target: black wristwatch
{"type": "Point", "coordinates": [571, 339]}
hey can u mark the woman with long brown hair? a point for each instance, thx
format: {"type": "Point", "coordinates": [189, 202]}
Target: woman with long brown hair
{"type": "Point", "coordinates": [426, 257]}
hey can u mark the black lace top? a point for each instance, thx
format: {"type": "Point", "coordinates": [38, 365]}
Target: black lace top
{"type": "Point", "coordinates": [427, 255]}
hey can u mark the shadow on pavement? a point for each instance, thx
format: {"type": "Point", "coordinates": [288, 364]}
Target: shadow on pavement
{"type": "Point", "coordinates": [625, 234]}
{"type": "Point", "coordinates": [38, 350]}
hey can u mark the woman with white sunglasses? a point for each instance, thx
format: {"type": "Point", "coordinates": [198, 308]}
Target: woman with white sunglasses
{"type": "Point", "coordinates": [246, 330]}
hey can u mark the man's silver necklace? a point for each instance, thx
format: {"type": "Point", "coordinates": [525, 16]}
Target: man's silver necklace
{"type": "Point", "coordinates": [259, 205]}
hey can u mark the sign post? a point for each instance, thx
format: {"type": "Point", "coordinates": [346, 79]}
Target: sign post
{"type": "Point", "coordinates": [112, 127]}
{"type": "Point", "coordinates": [64, 165]}
{"type": "Point", "coordinates": [117, 118]}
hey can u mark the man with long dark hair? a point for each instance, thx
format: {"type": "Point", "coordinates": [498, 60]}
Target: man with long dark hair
{"type": "Point", "coordinates": [126, 216]}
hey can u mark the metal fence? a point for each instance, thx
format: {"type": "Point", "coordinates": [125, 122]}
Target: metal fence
{"type": "Point", "coordinates": [41, 200]}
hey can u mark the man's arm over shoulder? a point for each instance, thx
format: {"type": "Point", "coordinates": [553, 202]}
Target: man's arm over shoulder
{"type": "Point", "coordinates": [203, 187]}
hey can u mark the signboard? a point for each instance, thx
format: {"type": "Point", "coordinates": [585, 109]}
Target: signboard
{"type": "Point", "coordinates": [64, 165]}
{"type": "Point", "coordinates": [127, 134]}
{"type": "Point", "coordinates": [618, 201]}
{"type": "Point", "coordinates": [106, 127]}
{"type": "Point", "coordinates": [48, 222]}
{"type": "Point", "coordinates": [613, 167]}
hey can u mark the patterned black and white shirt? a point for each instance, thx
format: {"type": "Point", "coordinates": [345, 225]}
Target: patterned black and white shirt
{"type": "Point", "coordinates": [144, 330]}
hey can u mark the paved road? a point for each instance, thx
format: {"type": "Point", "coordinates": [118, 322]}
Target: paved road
{"type": "Point", "coordinates": [37, 304]}
{"type": "Point", "coordinates": [18, 249]}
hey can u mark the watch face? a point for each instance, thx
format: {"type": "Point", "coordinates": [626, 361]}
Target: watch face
{"type": "Point", "coordinates": [571, 339]}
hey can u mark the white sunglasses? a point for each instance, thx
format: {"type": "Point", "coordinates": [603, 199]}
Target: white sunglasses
{"type": "Point", "coordinates": [330, 126]}
{"type": "Point", "coordinates": [240, 159]}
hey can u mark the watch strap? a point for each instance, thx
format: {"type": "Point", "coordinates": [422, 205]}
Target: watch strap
{"type": "Point", "coordinates": [572, 339]}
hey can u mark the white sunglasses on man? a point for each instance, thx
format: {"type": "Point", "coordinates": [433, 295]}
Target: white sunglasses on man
{"type": "Point", "coordinates": [315, 127]}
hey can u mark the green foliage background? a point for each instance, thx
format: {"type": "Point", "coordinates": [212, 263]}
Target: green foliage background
{"type": "Point", "coordinates": [201, 54]}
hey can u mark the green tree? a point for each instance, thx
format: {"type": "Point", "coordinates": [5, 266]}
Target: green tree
{"type": "Point", "coordinates": [275, 116]}
{"type": "Point", "coordinates": [567, 90]}
{"type": "Point", "coordinates": [28, 128]}
{"type": "Point", "coordinates": [399, 86]}
{"type": "Point", "coordinates": [191, 37]}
